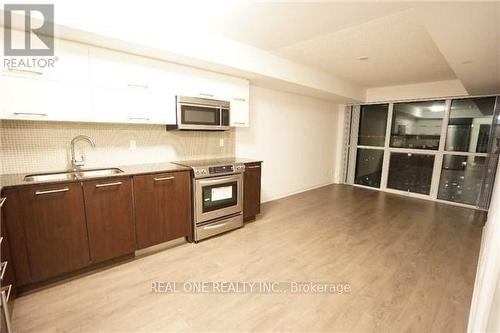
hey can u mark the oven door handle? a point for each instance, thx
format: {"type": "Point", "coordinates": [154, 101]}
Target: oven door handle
{"type": "Point", "coordinates": [219, 180]}
{"type": "Point", "coordinates": [215, 226]}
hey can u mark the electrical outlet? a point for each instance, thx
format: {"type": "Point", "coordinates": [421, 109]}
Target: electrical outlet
{"type": "Point", "coordinates": [221, 142]}
{"type": "Point", "coordinates": [133, 145]}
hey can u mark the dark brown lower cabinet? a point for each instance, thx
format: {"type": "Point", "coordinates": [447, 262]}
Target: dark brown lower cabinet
{"type": "Point", "coordinates": [251, 190]}
{"type": "Point", "coordinates": [110, 218]}
{"type": "Point", "coordinates": [47, 230]}
{"type": "Point", "coordinates": [162, 207]}
{"type": "Point", "coordinates": [8, 279]}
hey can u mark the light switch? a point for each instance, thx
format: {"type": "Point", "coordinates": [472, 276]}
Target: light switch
{"type": "Point", "coordinates": [221, 142]}
{"type": "Point", "coordinates": [133, 145]}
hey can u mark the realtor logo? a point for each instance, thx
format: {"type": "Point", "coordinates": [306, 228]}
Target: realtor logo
{"type": "Point", "coordinates": [39, 34]}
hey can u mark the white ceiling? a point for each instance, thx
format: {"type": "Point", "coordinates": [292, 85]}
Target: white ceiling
{"type": "Point", "coordinates": [395, 56]}
{"type": "Point", "coordinates": [308, 46]}
{"type": "Point", "coordinates": [406, 42]}
{"type": "Point", "coordinates": [270, 26]}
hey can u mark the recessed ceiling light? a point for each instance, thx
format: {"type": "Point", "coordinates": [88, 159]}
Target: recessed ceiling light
{"type": "Point", "coordinates": [466, 62]}
{"type": "Point", "coordinates": [363, 58]}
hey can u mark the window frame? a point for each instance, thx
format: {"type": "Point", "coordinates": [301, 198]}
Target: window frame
{"type": "Point", "coordinates": [352, 147]}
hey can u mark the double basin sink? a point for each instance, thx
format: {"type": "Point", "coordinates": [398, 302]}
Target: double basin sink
{"type": "Point", "coordinates": [71, 175]}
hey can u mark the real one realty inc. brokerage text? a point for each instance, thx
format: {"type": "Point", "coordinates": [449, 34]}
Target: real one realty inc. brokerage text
{"type": "Point", "coordinates": [249, 287]}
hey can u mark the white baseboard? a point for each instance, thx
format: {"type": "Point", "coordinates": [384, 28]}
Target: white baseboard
{"type": "Point", "coordinates": [299, 191]}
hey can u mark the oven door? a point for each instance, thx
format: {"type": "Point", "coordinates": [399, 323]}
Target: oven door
{"type": "Point", "coordinates": [217, 197]}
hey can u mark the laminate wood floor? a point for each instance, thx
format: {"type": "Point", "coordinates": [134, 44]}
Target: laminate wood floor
{"type": "Point", "coordinates": [410, 264]}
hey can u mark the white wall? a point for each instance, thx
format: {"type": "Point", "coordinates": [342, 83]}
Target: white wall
{"type": "Point", "coordinates": [296, 138]}
{"type": "Point", "coordinates": [483, 316]}
{"type": "Point", "coordinates": [494, 317]}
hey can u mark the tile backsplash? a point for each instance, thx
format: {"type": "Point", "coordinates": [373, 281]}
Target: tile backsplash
{"type": "Point", "coordinates": [28, 146]}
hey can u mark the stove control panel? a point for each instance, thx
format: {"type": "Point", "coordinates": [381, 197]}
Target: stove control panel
{"type": "Point", "coordinates": [220, 169]}
{"type": "Point", "coordinates": [200, 172]}
{"type": "Point", "coordinates": [216, 170]}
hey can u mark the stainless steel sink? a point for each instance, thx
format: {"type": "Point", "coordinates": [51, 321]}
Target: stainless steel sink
{"type": "Point", "coordinates": [71, 175]}
{"type": "Point", "coordinates": [47, 177]}
{"type": "Point", "coordinates": [98, 172]}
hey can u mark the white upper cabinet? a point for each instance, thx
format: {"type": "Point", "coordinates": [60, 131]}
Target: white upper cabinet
{"type": "Point", "coordinates": [198, 83]}
{"type": "Point", "coordinates": [58, 93]}
{"type": "Point", "coordinates": [130, 89]}
{"type": "Point", "coordinates": [239, 99]}
{"type": "Point", "coordinates": [92, 84]}
{"type": "Point", "coordinates": [70, 62]}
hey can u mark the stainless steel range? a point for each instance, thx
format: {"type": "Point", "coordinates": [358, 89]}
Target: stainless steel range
{"type": "Point", "coordinates": [217, 196]}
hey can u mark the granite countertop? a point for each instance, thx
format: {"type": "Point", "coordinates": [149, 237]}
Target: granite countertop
{"type": "Point", "coordinates": [16, 180]}
{"type": "Point", "coordinates": [247, 160]}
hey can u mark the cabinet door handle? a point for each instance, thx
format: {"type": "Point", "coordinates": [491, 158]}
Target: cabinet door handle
{"type": "Point", "coordinates": [4, 267]}
{"type": "Point", "coordinates": [30, 114]}
{"type": "Point", "coordinates": [2, 201]}
{"type": "Point", "coordinates": [24, 71]}
{"type": "Point", "coordinates": [163, 178]}
{"type": "Point", "coordinates": [239, 123]}
{"type": "Point", "coordinates": [207, 95]}
{"type": "Point", "coordinates": [135, 85]}
{"type": "Point", "coordinates": [52, 191]}
{"type": "Point", "coordinates": [253, 167]}
{"type": "Point", "coordinates": [239, 99]}
{"type": "Point", "coordinates": [109, 184]}
{"type": "Point", "coordinates": [138, 118]}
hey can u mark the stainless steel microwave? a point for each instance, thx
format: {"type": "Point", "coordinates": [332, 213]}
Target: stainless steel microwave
{"type": "Point", "coordinates": [203, 114]}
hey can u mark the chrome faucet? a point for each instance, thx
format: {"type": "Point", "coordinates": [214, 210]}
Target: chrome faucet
{"type": "Point", "coordinates": [76, 164]}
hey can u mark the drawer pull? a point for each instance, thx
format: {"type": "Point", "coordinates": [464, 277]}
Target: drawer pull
{"type": "Point", "coordinates": [3, 268]}
{"type": "Point", "coordinates": [207, 95]}
{"type": "Point", "coordinates": [239, 99]}
{"type": "Point", "coordinates": [24, 71]}
{"type": "Point", "coordinates": [6, 291]}
{"type": "Point", "coordinates": [135, 85]}
{"type": "Point", "coordinates": [52, 191]}
{"type": "Point", "coordinates": [138, 118]}
{"type": "Point", "coordinates": [163, 178]}
{"type": "Point", "coordinates": [109, 184]}
{"type": "Point", "coordinates": [253, 167]}
{"type": "Point", "coordinates": [239, 123]}
{"type": "Point", "coordinates": [30, 114]}
{"type": "Point", "coordinates": [2, 201]}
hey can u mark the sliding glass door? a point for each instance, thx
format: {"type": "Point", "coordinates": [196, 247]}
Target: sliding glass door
{"type": "Point", "coordinates": [443, 150]}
